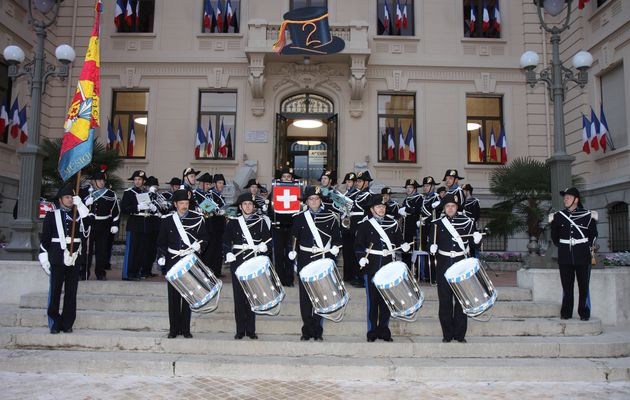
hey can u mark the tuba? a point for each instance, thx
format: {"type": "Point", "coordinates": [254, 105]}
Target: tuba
{"type": "Point", "coordinates": [343, 204]}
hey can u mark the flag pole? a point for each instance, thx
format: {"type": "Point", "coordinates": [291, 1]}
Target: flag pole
{"type": "Point", "coordinates": [74, 213]}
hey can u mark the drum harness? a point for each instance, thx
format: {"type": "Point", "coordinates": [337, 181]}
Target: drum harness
{"type": "Point", "coordinates": [319, 249]}
{"type": "Point", "coordinates": [248, 238]}
{"type": "Point", "coordinates": [184, 237]}
{"type": "Point", "coordinates": [457, 238]}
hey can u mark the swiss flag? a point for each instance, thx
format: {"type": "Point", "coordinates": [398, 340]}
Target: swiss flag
{"type": "Point", "coordinates": [286, 199]}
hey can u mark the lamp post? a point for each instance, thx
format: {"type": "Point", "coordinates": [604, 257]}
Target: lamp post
{"type": "Point", "coordinates": [24, 240]}
{"type": "Point", "coordinates": [557, 78]}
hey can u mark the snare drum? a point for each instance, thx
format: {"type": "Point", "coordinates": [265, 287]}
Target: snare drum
{"type": "Point", "coordinates": [261, 285]}
{"type": "Point", "coordinates": [399, 290]}
{"type": "Point", "coordinates": [471, 286]}
{"type": "Point", "coordinates": [196, 283]}
{"type": "Point", "coordinates": [325, 289]}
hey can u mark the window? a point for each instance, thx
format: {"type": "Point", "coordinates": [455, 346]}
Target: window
{"type": "Point", "coordinates": [614, 102]}
{"type": "Point", "coordinates": [484, 120]}
{"type": "Point", "coordinates": [474, 11]}
{"type": "Point", "coordinates": [396, 128]}
{"type": "Point", "coordinates": [490, 242]}
{"type": "Point", "coordinates": [394, 17]}
{"type": "Point", "coordinates": [5, 95]}
{"type": "Point", "coordinates": [141, 19]}
{"type": "Point", "coordinates": [308, 3]}
{"type": "Point", "coordinates": [217, 119]}
{"type": "Point", "coordinates": [228, 13]}
{"type": "Point", "coordinates": [129, 119]}
{"type": "Point", "coordinates": [601, 2]}
{"type": "Point", "coordinates": [618, 220]}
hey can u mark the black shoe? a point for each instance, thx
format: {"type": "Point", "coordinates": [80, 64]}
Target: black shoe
{"type": "Point", "coordinates": [584, 318]}
{"type": "Point", "coordinates": [239, 336]}
{"type": "Point", "coordinates": [388, 339]}
{"type": "Point", "coordinates": [82, 278]}
{"type": "Point", "coordinates": [101, 278]}
{"type": "Point", "coordinates": [565, 317]}
{"type": "Point", "coordinates": [304, 338]}
{"type": "Point", "coordinates": [172, 335]}
{"type": "Point", "coordinates": [252, 336]}
{"type": "Point", "coordinates": [462, 340]}
{"type": "Point", "coordinates": [318, 338]}
{"type": "Point", "coordinates": [131, 279]}
{"type": "Point", "coordinates": [371, 339]}
{"type": "Point", "coordinates": [54, 331]}
{"type": "Point", "coordinates": [445, 340]}
{"type": "Point", "coordinates": [69, 330]}
{"type": "Point", "coordinates": [188, 335]}
{"type": "Point", "coordinates": [108, 268]}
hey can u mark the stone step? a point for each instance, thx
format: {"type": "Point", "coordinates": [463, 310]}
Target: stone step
{"type": "Point", "coordinates": [282, 324]}
{"type": "Point", "coordinates": [410, 369]}
{"type": "Point", "coordinates": [609, 344]}
{"type": "Point", "coordinates": [146, 288]}
{"type": "Point", "coordinates": [290, 306]}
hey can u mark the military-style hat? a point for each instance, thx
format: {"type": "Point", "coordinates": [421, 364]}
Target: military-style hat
{"type": "Point", "coordinates": [428, 180]}
{"type": "Point", "coordinates": [311, 191]}
{"type": "Point", "coordinates": [364, 175]}
{"type": "Point", "coordinates": [181, 194]}
{"type": "Point", "coordinates": [376, 199]}
{"type": "Point", "coordinates": [138, 173]}
{"type": "Point", "coordinates": [152, 181]}
{"type": "Point", "coordinates": [175, 181]}
{"type": "Point", "coordinates": [570, 191]}
{"type": "Point", "coordinates": [450, 198]}
{"type": "Point", "coordinates": [205, 177]}
{"type": "Point", "coordinates": [441, 189]}
{"type": "Point", "coordinates": [330, 174]}
{"type": "Point", "coordinates": [468, 187]}
{"type": "Point", "coordinates": [189, 171]}
{"type": "Point", "coordinates": [243, 197]}
{"type": "Point", "coordinates": [285, 170]}
{"type": "Point", "coordinates": [218, 177]}
{"type": "Point", "coordinates": [411, 182]}
{"type": "Point", "coordinates": [453, 173]}
{"type": "Point", "coordinates": [66, 190]}
{"type": "Point", "coordinates": [386, 190]}
{"type": "Point", "coordinates": [263, 189]}
{"type": "Point", "coordinates": [350, 176]}
{"type": "Point", "coordinates": [252, 182]}
{"type": "Point", "coordinates": [100, 173]}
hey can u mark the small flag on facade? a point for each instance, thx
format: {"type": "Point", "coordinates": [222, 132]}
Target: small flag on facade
{"type": "Point", "coordinates": [585, 135]}
{"type": "Point", "coordinates": [210, 149]}
{"type": "Point", "coordinates": [200, 142]}
{"type": "Point", "coordinates": [119, 13]}
{"type": "Point", "coordinates": [132, 141]}
{"type": "Point", "coordinates": [482, 146]}
{"type": "Point", "coordinates": [493, 146]}
{"type": "Point", "coordinates": [219, 17]}
{"type": "Point", "coordinates": [410, 143]}
{"type": "Point", "coordinates": [23, 126]}
{"type": "Point", "coordinates": [502, 144]}
{"type": "Point", "coordinates": [485, 22]}
{"type": "Point", "coordinates": [594, 132]}
{"type": "Point", "coordinates": [497, 16]}
{"type": "Point", "coordinates": [14, 119]}
{"type": "Point", "coordinates": [5, 121]}
{"type": "Point", "coordinates": [401, 144]}
{"type": "Point", "coordinates": [391, 145]}
{"type": "Point", "coordinates": [111, 136]}
{"type": "Point", "coordinates": [603, 129]}
{"type": "Point", "coordinates": [222, 142]}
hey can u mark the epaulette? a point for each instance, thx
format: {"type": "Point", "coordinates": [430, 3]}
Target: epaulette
{"type": "Point", "coordinates": [594, 215]}
{"type": "Point", "coordinates": [551, 216]}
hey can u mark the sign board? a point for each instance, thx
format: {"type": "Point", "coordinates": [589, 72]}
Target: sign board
{"type": "Point", "coordinates": [256, 136]}
{"type": "Point", "coordinates": [317, 157]}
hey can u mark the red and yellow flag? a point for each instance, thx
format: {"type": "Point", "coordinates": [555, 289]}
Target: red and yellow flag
{"type": "Point", "coordinates": [83, 114]}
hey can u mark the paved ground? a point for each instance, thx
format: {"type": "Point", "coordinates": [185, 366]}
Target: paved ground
{"type": "Point", "coordinates": [77, 386]}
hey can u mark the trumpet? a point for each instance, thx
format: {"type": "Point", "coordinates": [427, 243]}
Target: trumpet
{"type": "Point", "coordinates": [160, 201]}
{"type": "Point", "coordinates": [343, 204]}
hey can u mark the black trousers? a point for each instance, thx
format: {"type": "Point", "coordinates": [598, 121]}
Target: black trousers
{"type": "Point", "coordinates": [215, 253]}
{"type": "Point", "coordinates": [66, 278]}
{"type": "Point", "coordinates": [100, 246]}
{"type": "Point", "coordinates": [135, 254]}
{"type": "Point", "coordinates": [568, 274]}
{"type": "Point", "coordinates": [150, 253]}
{"type": "Point", "coordinates": [453, 320]}
{"type": "Point", "coordinates": [243, 315]}
{"type": "Point", "coordinates": [178, 312]}
{"type": "Point", "coordinates": [350, 265]}
{"type": "Point", "coordinates": [377, 312]}
{"type": "Point", "coordinates": [312, 324]}
{"type": "Point", "coordinates": [284, 266]}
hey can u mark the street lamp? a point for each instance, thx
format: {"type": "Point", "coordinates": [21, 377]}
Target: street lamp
{"type": "Point", "coordinates": [24, 240]}
{"type": "Point", "coordinates": [557, 78]}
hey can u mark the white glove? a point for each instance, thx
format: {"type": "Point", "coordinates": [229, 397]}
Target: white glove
{"type": "Point", "coordinates": [89, 201]}
{"type": "Point", "coordinates": [221, 213]}
{"type": "Point", "coordinates": [43, 260]}
{"type": "Point", "coordinates": [334, 250]}
{"type": "Point", "coordinates": [196, 246]}
{"type": "Point", "coordinates": [292, 255]}
{"type": "Point", "coordinates": [477, 237]}
{"type": "Point", "coordinates": [435, 203]}
{"type": "Point", "coordinates": [81, 208]}
{"type": "Point", "coordinates": [152, 207]}
{"type": "Point", "coordinates": [143, 206]}
{"type": "Point", "coordinates": [405, 247]}
{"type": "Point", "coordinates": [265, 208]}
{"type": "Point", "coordinates": [433, 249]}
{"type": "Point", "coordinates": [363, 262]}
{"type": "Point", "coordinates": [262, 248]}
{"type": "Point", "coordinates": [113, 230]}
{"type": "Point", "coordinates": [403, 212]}
{"type": "Point", "coordinates": [152, 189]}
{"type": "Point", "coordinates": [161, 261]}
{"type": "Point", "coordinates": [230, 257]}
{"type": "Point", "coordinates": [418, 223]}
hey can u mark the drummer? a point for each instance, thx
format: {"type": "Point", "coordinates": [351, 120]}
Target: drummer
{"type": "Point", "coordinates": [246, 235]}
{"type": "Point", "coordinates": [181, 233]}
{"type": "Point", "coordinates": [377, 238]}
{"type": "Point", "coordinates": [450, 247]}
{"type": "Point", "coordinates": [316, 235]}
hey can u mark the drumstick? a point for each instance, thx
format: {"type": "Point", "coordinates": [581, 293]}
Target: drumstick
{"type": "Point", "coordinates": [252, 251]}
{"type": "Point", "coordinates": [483, 234]}
{"type": "Point", "coordinates": [367, 252]}
{"type": "Point", "coordinates": [187, 251]}
{"type": "Point", "coordinates": [324, 252]}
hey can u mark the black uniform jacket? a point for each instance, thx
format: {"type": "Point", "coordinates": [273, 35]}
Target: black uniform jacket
{"type": "Point", "coordinates": [169, 237]}
{"type": "Point", "coordinates": [360, 208]}
{"type": "Point", "coordinates": [583, 233]}
{"type": "Point", "coordinates": [367, 235]}
{"type": "Point", "coordinates": [472, 209]}
{"type": "Point", "coordinates": [413, 207]}
{"type": "Point", "coordinates": [444, 239]}
{"type": "Point", "coordinates": [326, 223]}
{"type": "Point", "coordinates": [51, 243]}
{"type": "Point", "coordinates": [105, 209]}
{"type": "Point", "coordinates": [138, 220]}
{"type": "Point", "coordinates": [258, 226]}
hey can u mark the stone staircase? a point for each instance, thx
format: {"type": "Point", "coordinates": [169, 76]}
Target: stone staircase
{"type": "Point", "coordinates": [121, 328]}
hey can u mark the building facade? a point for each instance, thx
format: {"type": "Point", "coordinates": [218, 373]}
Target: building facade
{"type": "Point", "coordinates": [403, 99]}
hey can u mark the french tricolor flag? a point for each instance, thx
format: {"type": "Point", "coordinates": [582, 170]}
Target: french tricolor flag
{"type": "Point", "coordinates": [594, 132]}
{"type": "Point", "coordinates": [493, 146]}
{"type": "Point", "coordinates": [401, 144]}
{"type": "Point", "coordinates": [390, 144]}
{"type": "Point", "coordinates": [118, 14]}
{"type": "Point", "coordinates": [4, 116]}
{"type": "Point", "coordinates": [222, 142]}
{"type": "Point", "coordinates": [210, 149]}
{"type": "Point", "coordinates": [386, 21]}
{"type": "Point", "coordinates": [482, 147]}
{"type": "Point", "coordinates": [585, 135]}
{"type": "Point", "coordinates": [14, 118]}
{"type": "Point", "coordinates": [132, 141]}
{"type": "Point", "coordinates": [497, 16]}
{"type": "Point", "coordinates": [502, 144]}
{"type": "Point", "coordinates": [409, 142]}
{"type": "Point", "coordinates": [473, 18]}
{"type": "Point", "coordinates": [200, 142]}
{"type": "Point", "coordinates": [129, 13]}
{"type": "Point", "coordinates": [405, 22]}
{"type": "Point", "coordinates": [111, 135]}
{"type": "Point", "coordinates": [23, 126]}
{"type": "Point", "coordinates": [219, 17]}
{"type": "Point", "coordinates": [399, 15]}
{"type": "Point", "coordinates": [485, 24]}
{"type": "Point", "coordinates": [228, 15]}
{"type": "Point", "coordinates": [603, 129]}
{"type": "Point", "coordinates": [119, 136]}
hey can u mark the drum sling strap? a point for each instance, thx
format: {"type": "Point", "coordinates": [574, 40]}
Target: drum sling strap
{"type": "Point", "coordinates": [314, 231]}
{"type": "Point", "coordinates": [379, 229]}
{"type": "Point", "coordinates": [451, 229]}
{"type": "Point", "coordinates": [246, 232]}
{"type": "Point", "coordinates": [180, 229]}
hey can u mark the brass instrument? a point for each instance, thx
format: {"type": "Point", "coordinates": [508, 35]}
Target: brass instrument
{"type": "Point", "coordinates": [343, 204]}
{"type": "Point", "coordinates": [160, 202]}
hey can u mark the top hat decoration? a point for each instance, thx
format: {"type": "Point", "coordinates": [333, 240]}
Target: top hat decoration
{"type": "Point", "coordinates": [310, 33]}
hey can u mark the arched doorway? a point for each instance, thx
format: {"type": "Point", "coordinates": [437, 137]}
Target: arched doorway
{"type": "Point", "coordinates": [306, 135]}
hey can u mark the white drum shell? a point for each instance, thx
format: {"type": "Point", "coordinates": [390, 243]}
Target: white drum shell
{"type": "Point", "coordinates": [261, 285]}
{"type": "Point", "coordinates": [400, 291]}
{"type": "Point", "coordinates": [325, 288]}
{"type": "Point", "coordinates": [196, 283]}
{"type": "Point", "coordinates": [472, 286]}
